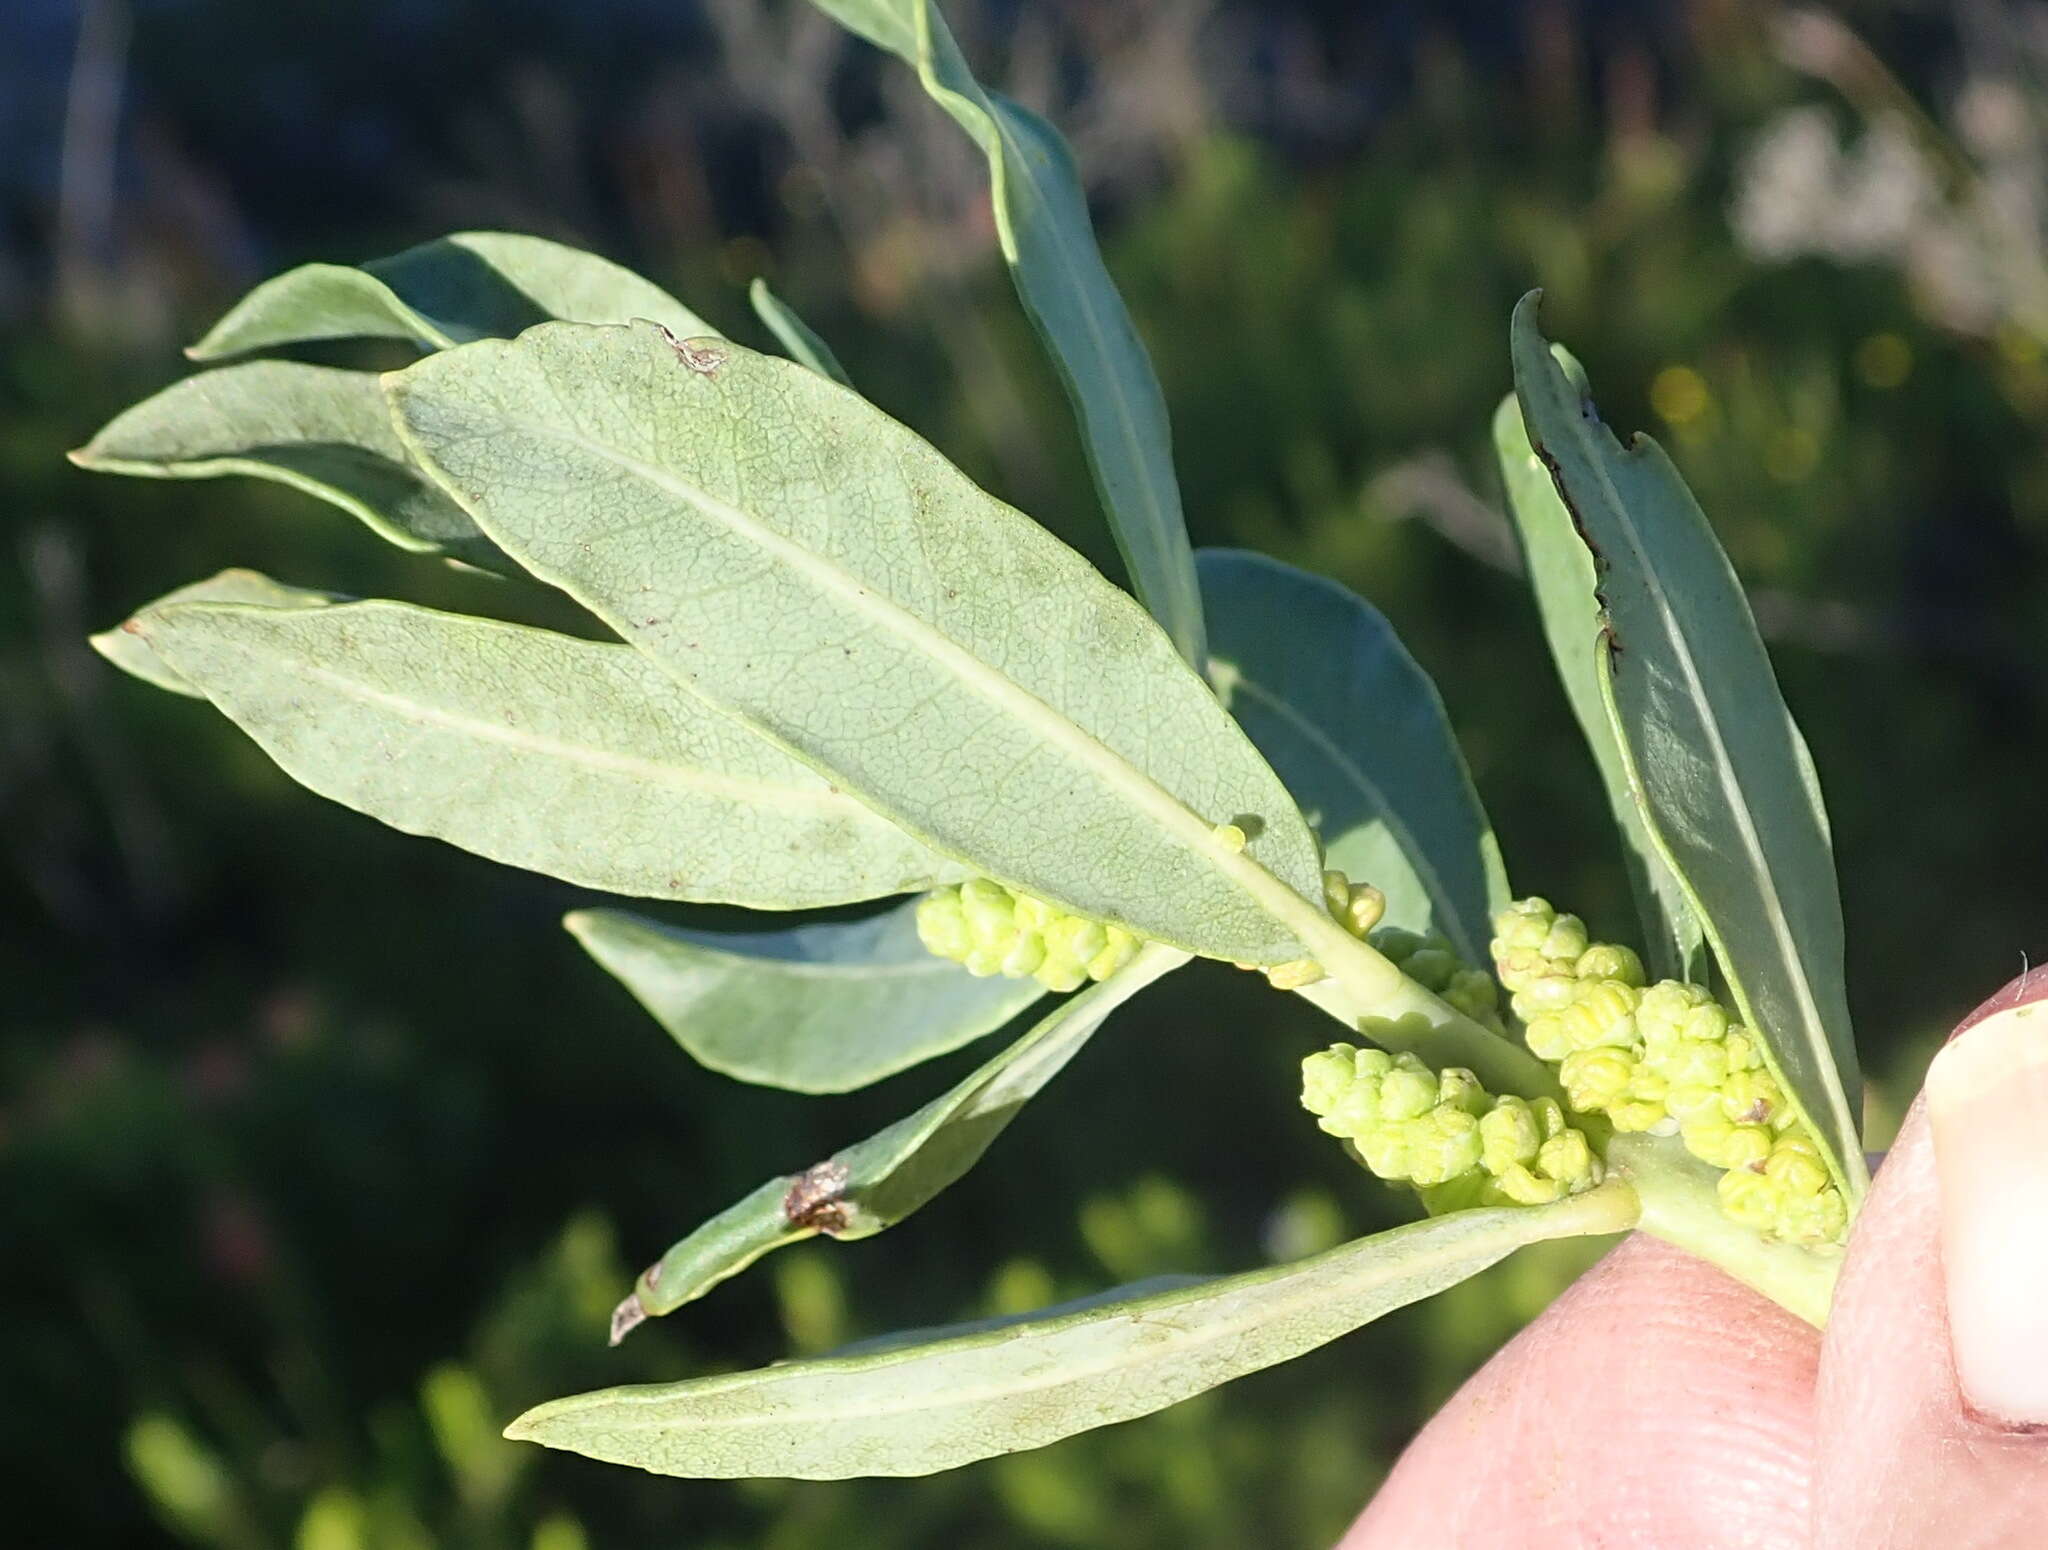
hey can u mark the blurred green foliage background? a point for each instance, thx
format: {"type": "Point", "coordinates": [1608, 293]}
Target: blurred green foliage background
{"type": "Point", "coordinates": [322, 1149]}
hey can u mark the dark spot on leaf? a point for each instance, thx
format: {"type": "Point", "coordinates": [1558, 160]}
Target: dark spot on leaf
{"type": "Point", "coordinates": [701, 356]}
{"type": "Point", "coordinates": [816, 1199]}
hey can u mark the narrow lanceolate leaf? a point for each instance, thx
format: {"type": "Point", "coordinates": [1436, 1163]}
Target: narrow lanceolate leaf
{"type": "Point", "coordinates": [567, 757]}
{"type": "Point", "coordinates": [1318, 678]}
{"type": "Point", "coordinates": [1042, 220]}
{"type": "Point", "coordinates": [1561, 574]}
{"type": "Point", "coordinates": [821, 1008]}
{"type": "Point", "coordinates": [128, 651]}
{"type": "Point", "coordinates": [473, 285]}
{"type": "Point", "coordinates": [794, 334]}
{"type": "Point", "coordinates": [917, 1409]}
{"type": "Point", "coordinates": [876, 1183]}
{"type": "Point", "coordinates": [320, 430]}
{"type": "Point", "coordinates": [806, 564]}
{"type": "Point", "coordinates": [1726, 786]}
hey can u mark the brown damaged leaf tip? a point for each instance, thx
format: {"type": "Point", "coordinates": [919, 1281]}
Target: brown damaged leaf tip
{"type": "Point", "coordinates": [627, 1317]}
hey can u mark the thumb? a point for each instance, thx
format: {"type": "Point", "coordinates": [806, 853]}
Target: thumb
{"type": "Point", "coordinates": [1657, 1402]}
{"type": "Point", "coordinates": [1932, 1401]}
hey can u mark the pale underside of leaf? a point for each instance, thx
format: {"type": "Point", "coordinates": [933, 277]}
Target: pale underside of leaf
{"type": "Point", "coordinates": [320, 430]}
{"type": "Point", "coordinates": [1561, 575]}
{"type": "Point", "coordinates": [819, 1008]}
{"type": "Point", "coordinates": [1358, 732]}
{"type": "Point", "coordinates": [919, 1409]}
{"type": "Point", "coordinates": [1042, 219]}
{"type": "Point", "coordinates": [472, 285]}
{"type": "Point", "coordinates": [568, 757]}
{"type": "Point", "coordinates": [812, 568]}
{"type": "Point", "coordinates": [876, 1183]}
{"type": "Point", "coordinates": [1727, 794]}
{"type": "Point", "coordinates": [127, 650]}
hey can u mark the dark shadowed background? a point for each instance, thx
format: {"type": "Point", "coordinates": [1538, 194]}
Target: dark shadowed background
{"type": "Point", "coordinates": [323, 1150]}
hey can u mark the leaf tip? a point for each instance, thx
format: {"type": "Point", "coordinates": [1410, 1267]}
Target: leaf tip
{"type": "Point", "coordinates": [216, 342]}
{"type": "Point", "coordinates": [628, 1316]}
{"type": "Point", "coordinates": [1523, 323]}
{"type": "Point", "coordinates": [526, 1427]}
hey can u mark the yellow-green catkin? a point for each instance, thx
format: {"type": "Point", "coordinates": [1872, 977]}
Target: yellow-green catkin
{"type": "Point", "coordinates": [1443, 1133]}
{"type": "Point", "coordinates": [996, 930]}
{"type": "Point", "coordinates": [1666, 1058]}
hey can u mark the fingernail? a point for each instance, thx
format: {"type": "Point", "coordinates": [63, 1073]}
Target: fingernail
{"type": "Point", "coordinates": [1987, 1106]}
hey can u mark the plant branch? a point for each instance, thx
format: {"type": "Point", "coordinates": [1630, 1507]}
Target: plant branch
{"type": "Point", "coordinates": [1680, 1206]}
{"type": "Point", "coordinates": [1363, 984]}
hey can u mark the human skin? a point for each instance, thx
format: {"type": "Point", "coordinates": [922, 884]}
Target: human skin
{"type": "Point", "coordinates": [1658, 1403]}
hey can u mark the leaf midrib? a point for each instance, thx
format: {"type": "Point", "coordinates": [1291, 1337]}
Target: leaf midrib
{"type": "Point", "coordinates": [755, 792]}
{"type": "Point", "coordinates": [1079, 1020]}
{"type": "Point", "coordinates": [725, 963]}
{"type": "Point", "coordinates": [1314, 1292]}
{"type": "Point", "coordinates": [1760, 868]}
{"type": "Point", "coordinates": [1187, 599]}
{"type": "Point", "coordinates": [961, 665]}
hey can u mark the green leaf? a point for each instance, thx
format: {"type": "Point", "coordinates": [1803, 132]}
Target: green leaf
{"type": "Point", "coordinates": [1358, 732]}
{"type": "Point", "coordinates": [1130, 1291]}
{"type": "Point", "coordinates": [1727, 789]}
{"type": "Point", "coordinates": [794, 334]}
{"type": "Point", "coordinates": [811, 567]}
{"type": "Point", "coordinates": [1561, 574]}
{"type": "Point", "coordinates": [127, 650]}
{"type": "Point", "coordinates": [918, 1409]}
{"type": "Point", "coordinates": [1042, 221]}
{"type": "Point", "coordinates": [567, 757]}
{"type": "Point", "coordinates": [821, 1008]}
{"type": "Point", "coordinates": [876, 1183]}
{"type": "Point", "coordinates": [473, 285]}
{"type": "Point", "coordinates": [321, 430]}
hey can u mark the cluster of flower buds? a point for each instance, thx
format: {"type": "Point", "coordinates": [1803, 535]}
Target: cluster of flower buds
{"type": "Point", "coordinates": [1665, 1058]}
{"type": "Point", "coordinates": [996, 930]}
{"type": "Point", "coordinates": [1441, 1131]}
